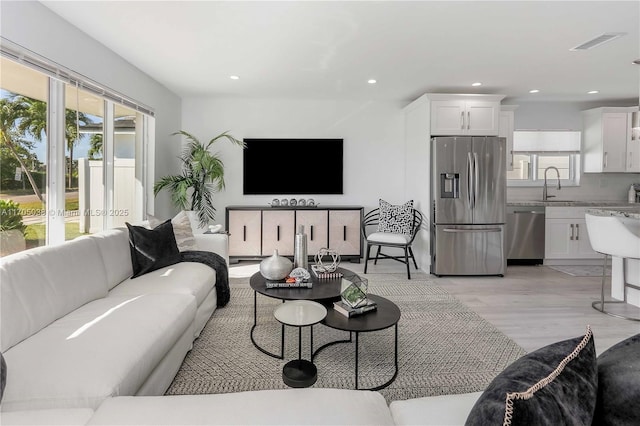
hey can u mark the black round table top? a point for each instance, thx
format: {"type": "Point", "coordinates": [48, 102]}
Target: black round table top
{"type": "Point", "coordinates": [386, 315]}
{"type": "Point", "coordinates": [322, 290]}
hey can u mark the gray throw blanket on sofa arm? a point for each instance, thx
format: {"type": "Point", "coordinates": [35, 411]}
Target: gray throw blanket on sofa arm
{"type": "Point", "coordinates": [215, 261]}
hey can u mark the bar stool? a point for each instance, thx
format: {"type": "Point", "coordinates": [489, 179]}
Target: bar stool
{"type": "Point", "coordinates": [610, 237]}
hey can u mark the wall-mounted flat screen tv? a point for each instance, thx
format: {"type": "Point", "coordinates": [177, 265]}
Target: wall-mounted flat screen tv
{"type": "Point", "coordinates": [292, 166]}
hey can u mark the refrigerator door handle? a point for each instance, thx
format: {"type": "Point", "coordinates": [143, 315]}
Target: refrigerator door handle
{"type": "Point", "coordinates": [461, 231]}
{"type": "Point", "coordinates": [476, 178]}
{"type": "Point", "coordinates": [470, 175]}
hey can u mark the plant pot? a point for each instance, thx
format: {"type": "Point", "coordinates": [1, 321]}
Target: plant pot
{"type": "Point", "coordinates": [275, 267]}
{"type": "Point", "coordinates": [196, 228]}
{"type": "Point", "coordinates": [11, 241]}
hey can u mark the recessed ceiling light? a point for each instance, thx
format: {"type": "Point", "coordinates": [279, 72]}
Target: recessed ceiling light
{"type": "Point", "coordinates": [477, 84]}
{"type": "Point", "coordinates": [372, 81]}
{"type": "Point", "coordinates": [534, 91]}
{"type": "Point", "coordinates": [234, 77]}
{"type": "Point", "coordinates": [593, 92]}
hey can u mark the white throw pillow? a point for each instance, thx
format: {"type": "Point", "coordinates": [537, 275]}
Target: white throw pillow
{"type": "Point", "coordinates": [181, 229]}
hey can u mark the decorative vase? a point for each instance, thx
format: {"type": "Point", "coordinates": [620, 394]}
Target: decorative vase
{"type": "Point", "coordinates": [300, 258]}
{"type": "Point", "coordinates": [275, 267]}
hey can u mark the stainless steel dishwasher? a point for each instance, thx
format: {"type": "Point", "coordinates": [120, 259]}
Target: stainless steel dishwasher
{"type": "Point", "coordinates": [525, 234]}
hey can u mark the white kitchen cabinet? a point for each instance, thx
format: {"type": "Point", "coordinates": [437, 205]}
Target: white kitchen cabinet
{"type": "Point", "coordinates": [633, 149]}
{"type": "Point", "coordinates": [507, 115]}
{"type": "Point", "coordinates": [465, 117]}
{"type": "Point", "coordinates": [256, 231]}
{"type": "Point", "coordinates": [565, 235]}
{"type": "Point", "coordinates": [607, 144]}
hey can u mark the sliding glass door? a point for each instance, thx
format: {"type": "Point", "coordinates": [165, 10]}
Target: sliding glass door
{"type": "Point", "coordinates": [72, 161]}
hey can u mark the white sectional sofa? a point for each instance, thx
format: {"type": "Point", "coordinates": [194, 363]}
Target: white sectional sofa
{"type": "Point", "coordinates": [84, 343]}
{"type": "Point", "coordinates": [75, 329]}
{"type": "Point", "coordinates": [312, 406]}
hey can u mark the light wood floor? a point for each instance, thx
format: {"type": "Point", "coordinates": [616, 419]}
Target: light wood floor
{"type": "Point", "coordinates": [533, 305]}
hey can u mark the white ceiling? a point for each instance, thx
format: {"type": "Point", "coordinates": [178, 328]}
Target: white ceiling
{"type": "Point", "coordinates": [329, 49]}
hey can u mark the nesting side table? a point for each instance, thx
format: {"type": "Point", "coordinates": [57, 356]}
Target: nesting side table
{"type": "Point", "coordinates": [300, 373]}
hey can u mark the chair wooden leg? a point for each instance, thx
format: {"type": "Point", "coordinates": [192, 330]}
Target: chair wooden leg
{"type": "Point", "coordinates": [414, 258]}
{"type": "Point", "coordinates": [375, 262]}
{"type": "Point", "coordinates": [406, 260]}
{"type": "Point", "coordinates": [366, 257]}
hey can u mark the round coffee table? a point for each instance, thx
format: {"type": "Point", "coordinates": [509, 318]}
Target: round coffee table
{"type": "Point", "coordinates": [300, 373]}
{"type": "Point", "coordinates": [323, 291]}
{"type": "Point", "coordinates": [386, 315]}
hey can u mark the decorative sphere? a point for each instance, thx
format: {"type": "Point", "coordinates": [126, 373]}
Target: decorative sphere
{"type": "Point", "coordinates": [275, 267]}
{"type": "Point", "coordinates": [331, 257]}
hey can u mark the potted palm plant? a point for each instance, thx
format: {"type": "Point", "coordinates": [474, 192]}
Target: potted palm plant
{"type": "Point", "coordinates": [202, 175]}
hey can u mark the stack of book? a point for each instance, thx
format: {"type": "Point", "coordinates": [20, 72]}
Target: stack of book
{"type": "Point", "coordinates": [349, 312]}
{"type": "Point", "coordinates": [323, 275]}
{"type": "Point", "coordinates": [283, 284]}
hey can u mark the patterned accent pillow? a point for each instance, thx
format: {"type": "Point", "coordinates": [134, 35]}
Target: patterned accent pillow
{"type": "Point", "coordinates": [555, 385]}
{"type": "Point", "coordinates": [396, 219]}
{"type": "Point", "coordinates": [182, 230]}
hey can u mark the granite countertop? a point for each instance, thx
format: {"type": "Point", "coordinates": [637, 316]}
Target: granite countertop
{"type": "Point", "coordinates": [572, 203]}
{"type": "Point", "coordinates": [627, 212]}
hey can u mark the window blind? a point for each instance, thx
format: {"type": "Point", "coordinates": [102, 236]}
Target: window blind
{"type": "Point", "coordinates": [17, 53]}
{"type": "Point", "coordinates": [547, 141]}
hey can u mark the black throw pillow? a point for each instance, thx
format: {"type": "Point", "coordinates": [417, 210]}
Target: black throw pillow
{"type": "Point", "coordinates": [152, 249]}
{"type": "Point", "coordinates": [618, 401]}
{"type": "Point", "coordinates": [555, 385]}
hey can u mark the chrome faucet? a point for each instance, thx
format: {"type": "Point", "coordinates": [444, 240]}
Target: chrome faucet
{"type": "Point", "coordinates": [545, 195]}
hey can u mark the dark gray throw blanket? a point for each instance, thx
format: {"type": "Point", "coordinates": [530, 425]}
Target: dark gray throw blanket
{"type": "Point", "coordinates": [215, 261]}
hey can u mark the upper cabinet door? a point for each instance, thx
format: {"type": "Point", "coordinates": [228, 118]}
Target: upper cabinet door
{"type": "Point", "coordinates": [614, 137]}
{"type": "Point", "coordinates": [607, 141]}
{"type": "Point", "coordinates": [447, 118]}
{"type": "Point", "coordinates": [506, 131]}
{"type": "Point", "coordinates": [465, 117]}
{"type": "Point", "coordinates": [483, 118]}
{"type": "Point", "coordinates": [633, 148]}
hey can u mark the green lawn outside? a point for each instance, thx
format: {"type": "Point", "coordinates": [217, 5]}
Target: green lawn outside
{"type": "Point", "coordinates": [69, 204]}
{"type": "Point", "coordinates": [35, 234]}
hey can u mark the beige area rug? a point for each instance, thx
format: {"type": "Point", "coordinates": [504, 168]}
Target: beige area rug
{"type": "Point", "coordinates": [444, 347]}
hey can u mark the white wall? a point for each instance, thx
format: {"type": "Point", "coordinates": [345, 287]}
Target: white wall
{"type": "Point", "coordinates": [373, 134]}
{"type": "Point", "coordinates": [35, 27]}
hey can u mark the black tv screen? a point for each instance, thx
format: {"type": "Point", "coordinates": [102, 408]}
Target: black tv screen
{"type": "Point", "coordinates": [292, 166]}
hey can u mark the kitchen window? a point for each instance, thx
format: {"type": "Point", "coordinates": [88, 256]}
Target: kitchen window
{"type": "Point", "coordinates": [535, 151]}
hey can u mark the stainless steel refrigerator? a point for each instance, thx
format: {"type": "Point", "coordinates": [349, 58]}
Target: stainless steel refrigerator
{"type": "Point", "coordinates": [468, 190]}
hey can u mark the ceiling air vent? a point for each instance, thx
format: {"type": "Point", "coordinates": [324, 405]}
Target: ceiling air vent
{"type": "Point", "coordinates": [601, 39]}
